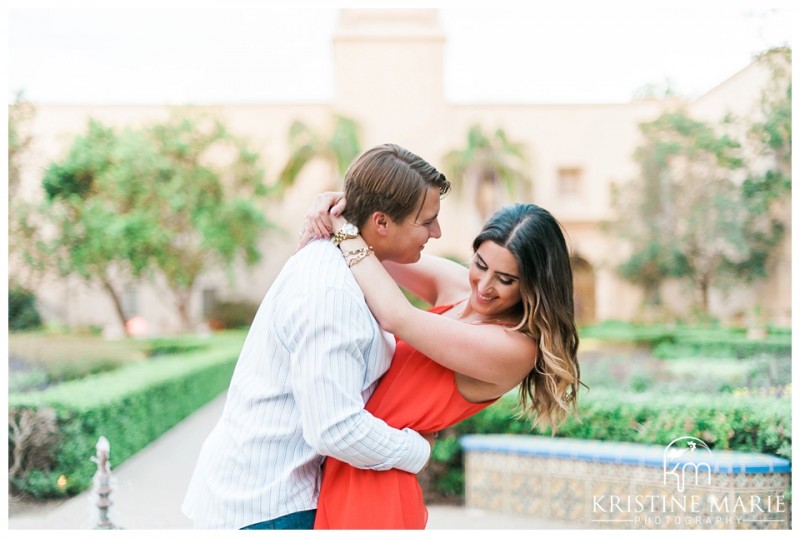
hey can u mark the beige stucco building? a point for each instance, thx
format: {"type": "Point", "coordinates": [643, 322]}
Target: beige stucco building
{"type": "Point", "coordinates": [388, 71]}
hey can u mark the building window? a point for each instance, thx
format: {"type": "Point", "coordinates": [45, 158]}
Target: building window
{"type": "Point", "coordinates": [570, 182]}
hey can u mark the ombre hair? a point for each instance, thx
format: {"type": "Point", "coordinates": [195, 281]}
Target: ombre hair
{"type": "Point", "coordinates": [548, 394]}
{"type": "Point", "coordinates": [390, 179]}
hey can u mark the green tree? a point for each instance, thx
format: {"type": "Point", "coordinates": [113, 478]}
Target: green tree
{"type": "Point", "coordinates": [491, 169]}
{"type": "Point", "coordinates": [710, 203]}
{"type": "Point", "coordinates": [772, 133]}
{"type": "Point", "coordinates": [20, 114]}
{"type": "Point", "coordinates": [338, 149]}
{"type": "Point", "coordinates": [687, 216]}
{"type": "Point", "coordinates": [20, 230]}
{"type": "Point", "coordinates": [89, 225]}
{"type": "Point", "coordinates": [647, 211]}
{"type": "Point", "coordinates": [169, 200]}
{"type": "Point", "coordinates": [766, 190]}
{"type": "Point", "coordinates": [689, 221]}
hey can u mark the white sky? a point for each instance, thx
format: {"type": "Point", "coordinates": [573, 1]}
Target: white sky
{"type": "Point", "coordinates": [580, 51]}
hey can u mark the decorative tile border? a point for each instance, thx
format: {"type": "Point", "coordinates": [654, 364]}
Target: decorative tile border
{"type": "Point", "coordinates": [599, 485]}
{"type": "Point", "coordinates": [727, 461]}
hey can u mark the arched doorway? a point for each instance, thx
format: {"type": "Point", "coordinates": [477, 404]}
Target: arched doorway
{"type": "Point", "coordinates": [583, 283]}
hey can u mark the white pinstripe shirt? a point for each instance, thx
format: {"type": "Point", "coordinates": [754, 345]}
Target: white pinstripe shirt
{"type": "Point", "coordinates": [308, 365]}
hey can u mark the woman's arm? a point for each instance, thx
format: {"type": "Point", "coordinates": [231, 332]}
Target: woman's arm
{"type": "Point", "coordinates": [435, 280]}
{"type": "Point", "coordinates": [485, 352]}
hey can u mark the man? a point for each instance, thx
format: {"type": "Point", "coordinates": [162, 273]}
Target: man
{"type": "Point", "coordinates": [311, 360]}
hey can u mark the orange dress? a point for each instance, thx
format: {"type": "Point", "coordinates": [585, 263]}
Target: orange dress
{"type": "Point", "coordinates": [414, 393]}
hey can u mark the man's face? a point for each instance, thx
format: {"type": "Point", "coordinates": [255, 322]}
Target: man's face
{"type": "Point", "coordinates": [406, 239]}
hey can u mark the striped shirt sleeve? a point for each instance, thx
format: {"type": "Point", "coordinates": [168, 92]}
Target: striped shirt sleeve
{"type": "Point", "coordinates": [328, 333]}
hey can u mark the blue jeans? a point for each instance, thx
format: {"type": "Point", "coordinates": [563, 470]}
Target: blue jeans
{"type": "Point", "coordinates": [297, 520]}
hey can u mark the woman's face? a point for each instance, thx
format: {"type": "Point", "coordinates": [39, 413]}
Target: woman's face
{"type": "Point", "coordinates": [494, 278]}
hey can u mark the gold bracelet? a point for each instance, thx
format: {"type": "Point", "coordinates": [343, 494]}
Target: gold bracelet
{"type": "Point", "coordinates": [354, 256]}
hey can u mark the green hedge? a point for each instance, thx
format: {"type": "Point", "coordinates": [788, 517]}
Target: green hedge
{"type": "Point", "coordinates": [671, 341]}
{"type": "Point", "coordinates": [131, 406]}
{"type": "Point", "coordinates": [622, 331]}
{"type": "Point", "coordinates": [725, 422]}
{"type": "Point", "coordinates": [724, 346]}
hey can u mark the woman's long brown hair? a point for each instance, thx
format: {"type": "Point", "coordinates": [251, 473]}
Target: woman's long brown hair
{"type": "Point", "coordinates": [549, 393]}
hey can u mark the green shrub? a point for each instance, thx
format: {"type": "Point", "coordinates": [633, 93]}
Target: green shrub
{"type": "Point", "coordinates": [640, 372]}
{"type": "Point", "coordinates": [157, 347]}
{"type": "Point", "coordinates": [724, 346]}
{"type": "Point", "coordinates": [779, 331]}
{"type": "Point", "coordinates": [725, 422]}
{"type": "Point", "coordinates": [677, 341]}
{"type": "Point", "coordinates": [68, 370]}
{"type": "Point", "coordinates": [233, 314]}
{"type": "Point", "coordinates": [621, 331]}
{"type": "Point", "coordinates": [131, 406]}
{"type": "Point", "coordinates": [22, 312]}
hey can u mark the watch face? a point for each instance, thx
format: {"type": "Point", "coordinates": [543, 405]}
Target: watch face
{"type": "Point", "coordinates": [348, 231]}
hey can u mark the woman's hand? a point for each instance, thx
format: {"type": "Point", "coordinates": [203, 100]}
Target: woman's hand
{"type": "Point", "coordinates": [337, 222]}
{"type": "Point", "coordinates": [317, 221]}
{"type": "Point", "coordinates": [318, 218]}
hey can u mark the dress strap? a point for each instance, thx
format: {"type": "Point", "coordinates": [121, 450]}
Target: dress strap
{"type": "Point", "coordinates": [441, 309]}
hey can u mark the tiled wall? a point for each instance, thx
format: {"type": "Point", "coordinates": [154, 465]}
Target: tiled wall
{"type": "Point", "coordinates": [614, 495]}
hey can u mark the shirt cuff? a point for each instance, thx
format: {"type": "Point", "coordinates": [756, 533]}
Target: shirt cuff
{"type": "Point", "coordinates": [417, 455]}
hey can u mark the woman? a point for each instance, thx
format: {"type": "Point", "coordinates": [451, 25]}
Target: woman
{"type": "Point", "coordinates": [506, 321]}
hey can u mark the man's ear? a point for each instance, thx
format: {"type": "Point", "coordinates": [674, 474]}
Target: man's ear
{"type": "Point", "coordinates": [380, 222]}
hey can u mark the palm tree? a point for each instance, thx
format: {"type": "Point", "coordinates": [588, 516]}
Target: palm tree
{"type": "Point", "coordinates": [492, 170]}
{"type": "Point", "coordinates": [339, 149]}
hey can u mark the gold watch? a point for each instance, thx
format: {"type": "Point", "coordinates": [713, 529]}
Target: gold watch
{"type": "Point", "coordinates": [348, 231]}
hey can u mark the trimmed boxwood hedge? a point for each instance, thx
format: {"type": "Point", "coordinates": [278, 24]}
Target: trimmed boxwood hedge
{"type": "Point", "coordinates": [681, 341]}
{"type": "Point", "coordinates": [720, 346]}
{"type": "Point", "coordinates": [623, 331]}
{"type": "Point", "coordinates": [724, 421]}
{"type": "Point", "coordinates": [131, 406]}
